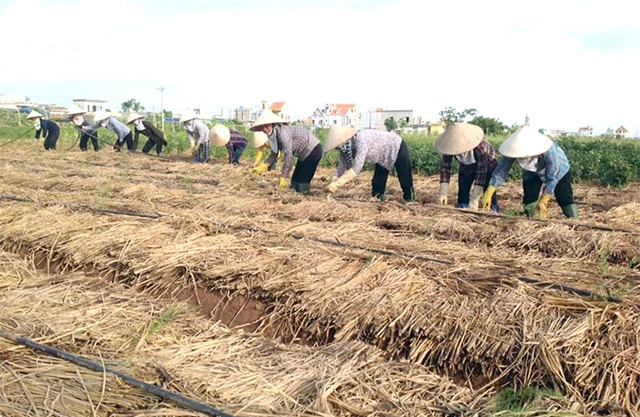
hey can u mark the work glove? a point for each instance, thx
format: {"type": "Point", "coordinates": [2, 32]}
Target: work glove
{"type": "Point", "coordinates": [443, 194]}
{"type": "Point", "coordinates": [258, 158]}
{"type": "Point", "coordinates": [486, 198]}
{"type": "Point", "coordinates": [345, 178]}
{"type": "Point", "coordinates": [543, 206]}
{"type": "Point", "coordinates": [284, 182]}
{"type": "Point", "coordinates": [260, 168]}
{"type": "Point", "coordinates": [476, 194]}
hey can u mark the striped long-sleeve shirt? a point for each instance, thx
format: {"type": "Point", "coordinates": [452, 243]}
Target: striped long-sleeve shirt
{"type": "Point", "coordinates": [292, 141]}
{"type": "Point", "coordinates": [236, 140]}
{"type": "Point", "coordinates": [551, 167]}
{"type": "Point", "coordinates": [200, 133]}
{"type": "Point", "coordinates": [116, 126]}
{"type": "Point", "coordinates": [485, 157]}
{"type": "Point", "coordinates": [371, 145]}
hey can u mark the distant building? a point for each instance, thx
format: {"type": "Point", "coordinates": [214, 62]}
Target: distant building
{"type": "Point", "coordinates": [90, 106]}
{"type": "Point", "coordinates": [585, 131]}
{"type": "Point", "coordinates": [336, 115]}
{"type": "Point", "coordinates": [621, 132]}
{"type": "Point", "coordinates": [281, 108]}
{"type": "Point", "coordinates": [374, 119]}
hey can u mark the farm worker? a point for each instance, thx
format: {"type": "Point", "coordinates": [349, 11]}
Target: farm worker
{"type": "Point", "coordinates": [49, 130]}
{"type": "Point", "coordinates": [106, 120]}
{"type": "Point", "coordinates": [86, 130]}
{"type": "Point", "coordinates": [291, 141]}
{"type": "Point", "coordinates": [236, 142]}
{"type": "Point", "coordinates": [154, 135]}
{"type": "Point", "coordinates": [544, 165]}
{"type": "Point", "coordinates": [261, 142]}
{"type": "Point", "coordinates": [476, 162]}
{"type": "Point", "coordinates": [198, 135]}
{"type": "Point", "coordinates": [386, 149]}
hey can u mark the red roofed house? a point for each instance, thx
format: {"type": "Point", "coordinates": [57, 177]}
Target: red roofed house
{"type": "Point", "coordinates": [621, 132]}
{"type": "Point", "coordinates": [336, 114]}
{"type": "Point", "coordinates": [281, 108]}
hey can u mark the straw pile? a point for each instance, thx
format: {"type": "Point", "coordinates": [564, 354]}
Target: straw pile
{"type": "Point", "coordinates": [241, 239]}
{"type": "Point", "coordinates": [166, 344]}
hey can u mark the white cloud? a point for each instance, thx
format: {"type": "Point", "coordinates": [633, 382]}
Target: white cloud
{"type": "Point", "coordinates": [505, 58]}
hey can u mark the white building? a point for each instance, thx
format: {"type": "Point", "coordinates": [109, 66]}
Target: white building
{"type": "Point", "coordinates": [336, 115]}
{"type": "Point", "coordinates": [90, 106]}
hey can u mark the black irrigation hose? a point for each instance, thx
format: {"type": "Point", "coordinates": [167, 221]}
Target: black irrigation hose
{"type": "Point", "coordinates": [19, 137]}
{"type": "Point", "coordinates": [567, 289]}
{"type": "Point", "coordinates": [86, 363]}
{"type": "Point", "coordinates": [106, 211]}
{"type": "Point", "coordinates": [505, 217]}
{"type": "Point", "coordinates": [129, 213]}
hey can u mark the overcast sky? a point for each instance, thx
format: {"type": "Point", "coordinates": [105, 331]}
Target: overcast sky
{"type": "Point", "coordinates": [566, 63]}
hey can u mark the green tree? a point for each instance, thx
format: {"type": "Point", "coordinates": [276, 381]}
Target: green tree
{"type": "Point", "coordinates": [132, 104]}
{"type": "Point", "coordinates": [449, 115]}
{"type": "Point", "coordinates": [489, 125]}
{"type": "Point", "coordinates": [391, 124]}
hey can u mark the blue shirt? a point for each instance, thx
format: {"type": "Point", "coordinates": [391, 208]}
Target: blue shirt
{"type": "Point", "coordinates": [551, 167]}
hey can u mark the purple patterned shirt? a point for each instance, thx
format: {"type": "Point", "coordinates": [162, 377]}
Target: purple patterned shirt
{"type": "Point", "coordinates": [371, 145]}
{"type": "Point", "coordinates": [236, 140]}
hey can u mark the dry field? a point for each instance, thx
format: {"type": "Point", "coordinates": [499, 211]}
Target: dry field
{"type": "Point", "coordinates": [211, 282]}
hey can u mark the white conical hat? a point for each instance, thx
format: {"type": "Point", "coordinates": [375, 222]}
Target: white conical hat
{"type": "Point", "coordinates": [525, 142]}
{"type": "Point", "coordinates": [219, 135]}
{"type": "Point", "coordinates": [76, 110]}
{"type": "Point", "coordinates": [267, 118]}
{"type": "Point", "coordinates": [337, 136]}
{"type": "Point", "coordinates": [133, 117]}
{"type": "Point", "coordinates": [34, 115]}
{"type": "Point", "coordinates": [259, 139]}
{"type": "Point", "coordinates": [188, 116]}
{"type": "Point", "coordinates": [459, 138]}
{"type": "Point", "coordinates": [101, 115]}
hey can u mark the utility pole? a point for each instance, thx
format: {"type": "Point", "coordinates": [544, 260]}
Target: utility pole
{"type": "Point", "coordinates": [162, 106]}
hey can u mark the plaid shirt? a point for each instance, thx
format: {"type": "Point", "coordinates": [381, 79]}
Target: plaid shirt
{"type": "Point", "coordinates": [486, 161]}
{"type": "Point", "coordinates": [237, 140]}
{"type": "Point", "coordinates": [292, 141]}
{"type": "Point", "coordinates": [552, 166]}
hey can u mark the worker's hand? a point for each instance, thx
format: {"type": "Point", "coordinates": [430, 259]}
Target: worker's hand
{"type": "Point", "coordinates": [260, 168]}
{"type": "Point", "coordinates": [284, 182]}
{"type": "Point", "coordinates": [476, 194]}
{"type": "Point", "coordinates": [486, 198]}
{"type": "Point", "coordinates": [543, 206]}
{"type": "Point", "coordinates": [443, 193]}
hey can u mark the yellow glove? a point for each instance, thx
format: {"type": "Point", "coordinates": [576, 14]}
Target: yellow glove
{"type": "Point", "coordinates": [476, 194]}
{"type": "Point", "coordinates": [260, 168]}
{"type": "Point", "coordinates": [284, 182]}
{"type": "Point", "coordinates": [443, 194]}
{"type": "Point", "coordinates": [543, 206]}
{"type": "Point", "coordinates": [345, 178]}
{"type": "Point", "coordinates": [486, 198]}
{"type": "Point", "coordinates": [256, 161]}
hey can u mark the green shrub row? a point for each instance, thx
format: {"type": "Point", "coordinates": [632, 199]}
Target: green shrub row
{"type": "Point", "coordinates": [613, 162]}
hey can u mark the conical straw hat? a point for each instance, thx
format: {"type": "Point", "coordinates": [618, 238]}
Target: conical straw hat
{"type": "Point", "coordinates": [337, 136]}
{"type": "Point", "coordinates": [459, 138]}
{"type": "Point", "coordinates": [76, 110]}
{"type": "Point", "coordinates": [133, 117]}
{"type": "Point", "coordinates": [219, 135]}
{"type": "Point", "coordinates": [259, 139]}
{"type": "Point", "coordinates": [34, 114]}
{"type": "Point", "coordinates": [101, 115]}
{"type": "Point", "coordinates": [188, 116]}
{"type": "Point", "coordinates": [267, 118]}
{"type": "Point", "coordinates": [524, 143]}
